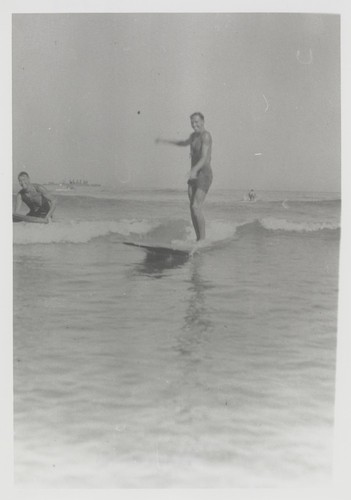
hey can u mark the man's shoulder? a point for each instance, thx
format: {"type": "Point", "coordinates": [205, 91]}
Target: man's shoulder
{"type": "Point", "coordinates": [206, 135]}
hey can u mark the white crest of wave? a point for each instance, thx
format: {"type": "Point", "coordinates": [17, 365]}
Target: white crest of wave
{"type": "Point", "coordinates": [216, 232]}
{"type": "Point", "coordinates": [274, 224]}
{"type": "Point", "coordinates": [219, 230]}
{"type": "Point", "coordinates": [75, 231]}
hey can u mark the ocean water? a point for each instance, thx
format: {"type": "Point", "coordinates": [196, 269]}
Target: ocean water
{"type": "Point", "coordinates": [215, 370]}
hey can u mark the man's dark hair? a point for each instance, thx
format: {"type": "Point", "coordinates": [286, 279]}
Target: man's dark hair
{"type": "Point", "coordinates": [23, 173]}
{"type": "Point", "coordinates": [197, 113]}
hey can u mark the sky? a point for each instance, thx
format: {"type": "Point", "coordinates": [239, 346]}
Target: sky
{"type": "Point", "coordinates": [92, 92]}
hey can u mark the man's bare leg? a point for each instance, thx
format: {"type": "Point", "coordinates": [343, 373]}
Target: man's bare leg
{"type": "Point", "coordinates": [191, 194]}
{"type": "Point", "coordinates": [197, 198]}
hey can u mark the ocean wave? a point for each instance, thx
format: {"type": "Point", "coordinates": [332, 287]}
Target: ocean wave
{"type": "Point", "coordinates": [179, 233]}
{"type": "Point", "coordinates": [216, 232]}
{"type": "Point", "coordinates": [336, 202]}
{"type": "Point", "coordinates": [176, 232]}
{"type": "Point", "coordinates": [76, 231]}
{"type": "Point", "coordinates": [273, 224]}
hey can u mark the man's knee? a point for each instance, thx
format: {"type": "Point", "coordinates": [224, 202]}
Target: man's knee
{"type": "Point", "coordinates": [196, 206]}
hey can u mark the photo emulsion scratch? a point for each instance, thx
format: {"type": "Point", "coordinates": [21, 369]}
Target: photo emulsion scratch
{"type": "Point", "coordinates": [175, 317]}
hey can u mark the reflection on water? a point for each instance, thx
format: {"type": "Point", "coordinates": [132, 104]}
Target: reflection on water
{"type": "Point", "coordinates": [197, 317]}
{"type": "Point", "coordinates": [155, 264]}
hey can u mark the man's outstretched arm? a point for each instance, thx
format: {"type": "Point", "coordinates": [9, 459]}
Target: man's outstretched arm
{"type": "Point", "coordinates": [186, 142]}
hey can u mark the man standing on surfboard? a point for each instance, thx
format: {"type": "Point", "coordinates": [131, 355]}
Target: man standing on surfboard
{"type": "Point", "coordinates": [200, 178]}
{"type": "Point", "coordinates": [36, 197]}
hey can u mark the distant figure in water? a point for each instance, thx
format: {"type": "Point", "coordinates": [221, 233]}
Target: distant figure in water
{"type": "Point", "coordinates": [200, 177]}
{"type": "Point", "coordinates": [36, 197]}
{"type": "Point", "coordinates": [252, 195]}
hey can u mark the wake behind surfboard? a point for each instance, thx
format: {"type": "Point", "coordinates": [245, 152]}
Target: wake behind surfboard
{"type": "Point", "coordinates": [161, 250]}
{"type": "Point", "coordinates": [28, 218]}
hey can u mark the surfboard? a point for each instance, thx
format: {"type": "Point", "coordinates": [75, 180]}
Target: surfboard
{"type": "Point", "coordinates": [158, 249]}
{"type": "Point", "coordinates": [28, 218]}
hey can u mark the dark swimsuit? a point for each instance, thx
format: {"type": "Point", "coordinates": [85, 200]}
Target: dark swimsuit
{"type": "Point", "coordinates": [203, 180]}
{"type": "Point", "coordinates": [38, 204]}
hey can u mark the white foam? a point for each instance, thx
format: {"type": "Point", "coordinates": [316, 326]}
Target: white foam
{"type": "Point", "coordinates": [216, 231]}
{"type": "Point", "coordinates": [220, 230]}
{"type": "Point", "coordinates": [274, 224]}
{"type": "Point", "coordinates": [75, 231]}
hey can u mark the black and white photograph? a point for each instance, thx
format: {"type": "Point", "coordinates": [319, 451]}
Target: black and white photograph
{"type": "Point", "coordinates": [176, 235]}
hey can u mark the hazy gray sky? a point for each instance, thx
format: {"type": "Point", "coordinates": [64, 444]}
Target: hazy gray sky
{"type": "Point", "coordinates": [91, 92]}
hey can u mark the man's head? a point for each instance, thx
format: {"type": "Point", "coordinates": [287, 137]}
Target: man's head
{"type": "Point", "coordinates": [197, 121]}
{"type": "Point", "coordinates": [23, 179]}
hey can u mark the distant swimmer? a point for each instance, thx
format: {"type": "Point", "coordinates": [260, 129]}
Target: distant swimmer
{"type": "Point", "coordinates": [252, 195]}
{"type": "Point", "coordinates": [200, 177]}
{"type": "Point", "coordinates": [36, 197]}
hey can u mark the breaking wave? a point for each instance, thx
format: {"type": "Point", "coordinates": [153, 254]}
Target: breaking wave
{"type": "Point", "coordinates": [274, 224]}
{"type": "Point", "coordinates": [177, 233]}
{"type": "Point", "coordinates": [75, 231]}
